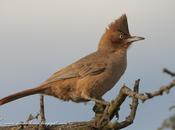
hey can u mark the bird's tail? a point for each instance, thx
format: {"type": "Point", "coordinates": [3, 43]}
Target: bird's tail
{"type": "Point", "coordinates": [21, 94]}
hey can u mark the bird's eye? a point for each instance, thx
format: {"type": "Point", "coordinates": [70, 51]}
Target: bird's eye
{"type": "Point", "coordinates": [121, 36]}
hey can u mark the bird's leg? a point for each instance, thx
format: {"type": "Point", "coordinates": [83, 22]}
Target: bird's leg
{"type": "Point", "coordinates": [100, 101]}
{"type": "Point", "coordinates": [99, 108]}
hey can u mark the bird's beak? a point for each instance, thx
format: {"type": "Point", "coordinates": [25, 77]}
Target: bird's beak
{"type": "Point", "coordinates": [134, 39]}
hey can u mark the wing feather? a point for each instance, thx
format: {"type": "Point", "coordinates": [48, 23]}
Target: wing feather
{"type": "Point", "coordinates": [89, 65]}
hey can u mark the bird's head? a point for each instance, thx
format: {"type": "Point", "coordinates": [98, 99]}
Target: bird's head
{"type": "Point", "coordinates": [117, 36]}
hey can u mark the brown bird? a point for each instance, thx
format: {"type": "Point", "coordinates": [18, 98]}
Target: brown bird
{"type": "Point", "coordinates": [89, 78]}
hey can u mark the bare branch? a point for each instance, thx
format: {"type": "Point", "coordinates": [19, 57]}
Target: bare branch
{"type": "Point", "coordinates": [168, 72]}
{"type": "Point", "coordinates": [42, 113]}
{"type": "Point", "coordinates": [171, 108]}
{"type": "Point", "coordinates": [129, 120]}
{"type": "Point", "coordinates": [146, 96]}
{"type": "Point", "coordinates": [104, 119]}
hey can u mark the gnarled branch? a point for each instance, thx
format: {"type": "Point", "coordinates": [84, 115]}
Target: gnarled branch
{"type": "Point", "coordinates": [103, 120]}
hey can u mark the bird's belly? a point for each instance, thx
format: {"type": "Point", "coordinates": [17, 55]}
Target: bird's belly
{"type": "Point", "coordinates": [96, 86]}
{"type": "Point", "coordinates": [63, 89]}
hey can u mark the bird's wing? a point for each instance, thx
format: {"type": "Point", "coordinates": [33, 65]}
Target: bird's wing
{"type": "Point", "coordinates": [89, 65]}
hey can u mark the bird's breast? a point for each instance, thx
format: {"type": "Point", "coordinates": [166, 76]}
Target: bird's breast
{"type": "Point", "coordinates": [97, 85]}
{"type": "Point", "coordinates": [115, 69]}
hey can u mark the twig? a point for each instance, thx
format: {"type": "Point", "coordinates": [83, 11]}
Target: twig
{"type": "Point", "coordinates": [146, 96]}
{"type": "Point", "coordinates": [168, 72]}
{"type": "Point", "coordinates": [31, 117]}
{"type": "Point", "coordinates": [129, 120]}
{"type": "Point", "coordinates": [110, 111]}
{"type": "Point", "coordinates": [171, 108]}
{"type": "Point", "coordinates": [42, 114]}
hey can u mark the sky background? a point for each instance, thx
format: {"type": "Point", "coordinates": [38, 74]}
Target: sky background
{"type": "Point", "coordinates": [38, 37]}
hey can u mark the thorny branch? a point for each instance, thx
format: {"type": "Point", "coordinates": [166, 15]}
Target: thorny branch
{"type": "Point", "coordinates": [104, 119]}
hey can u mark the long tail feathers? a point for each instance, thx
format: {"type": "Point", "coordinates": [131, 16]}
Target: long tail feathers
{"type": "Point", "coordinates": [21, 94]}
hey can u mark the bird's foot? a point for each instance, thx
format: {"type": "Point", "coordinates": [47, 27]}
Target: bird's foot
{"type": "Point", "coordinates": [102, 102]}
{"type": "Point", "coordinates": [105, 103]}
{"type": "Point", "coordinates": [99, 108]}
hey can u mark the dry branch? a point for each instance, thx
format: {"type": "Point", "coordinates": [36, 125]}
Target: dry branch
{"type": "Point", "coordinates": [146, 96]}
{"type": "Point", "coordinates": [42, 114]}
{"type": "Point", "coordinates": [169, 72]}
{"type": "Point", "coordinates": [103, 119]}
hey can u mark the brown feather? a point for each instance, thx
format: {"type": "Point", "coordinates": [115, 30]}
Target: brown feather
{"type": "Point", "coordinates": [120, 24]}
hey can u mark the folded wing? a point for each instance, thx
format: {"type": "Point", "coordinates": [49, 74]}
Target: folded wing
{"type": "Point", "coordinates": [89, 65]}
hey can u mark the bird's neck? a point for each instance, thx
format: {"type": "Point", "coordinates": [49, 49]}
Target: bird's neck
{"type": "Point", "coordinates": [105, 44]}
{"type": "Point", "coordinates": [122, 53]}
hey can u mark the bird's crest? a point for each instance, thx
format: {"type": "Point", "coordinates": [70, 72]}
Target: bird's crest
{"type": "Point", "coordinates": [119, 24]}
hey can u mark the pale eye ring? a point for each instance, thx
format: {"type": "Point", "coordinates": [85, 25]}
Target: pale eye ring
{"type": "Point", "coordinates": [121, 36]}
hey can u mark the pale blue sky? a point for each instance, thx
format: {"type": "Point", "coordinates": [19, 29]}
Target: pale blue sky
{"type": "Point", "coordinates": [38, 37]}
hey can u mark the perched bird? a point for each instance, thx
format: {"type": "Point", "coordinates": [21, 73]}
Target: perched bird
{"type": "Point", "coordinates": [89, 78]}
